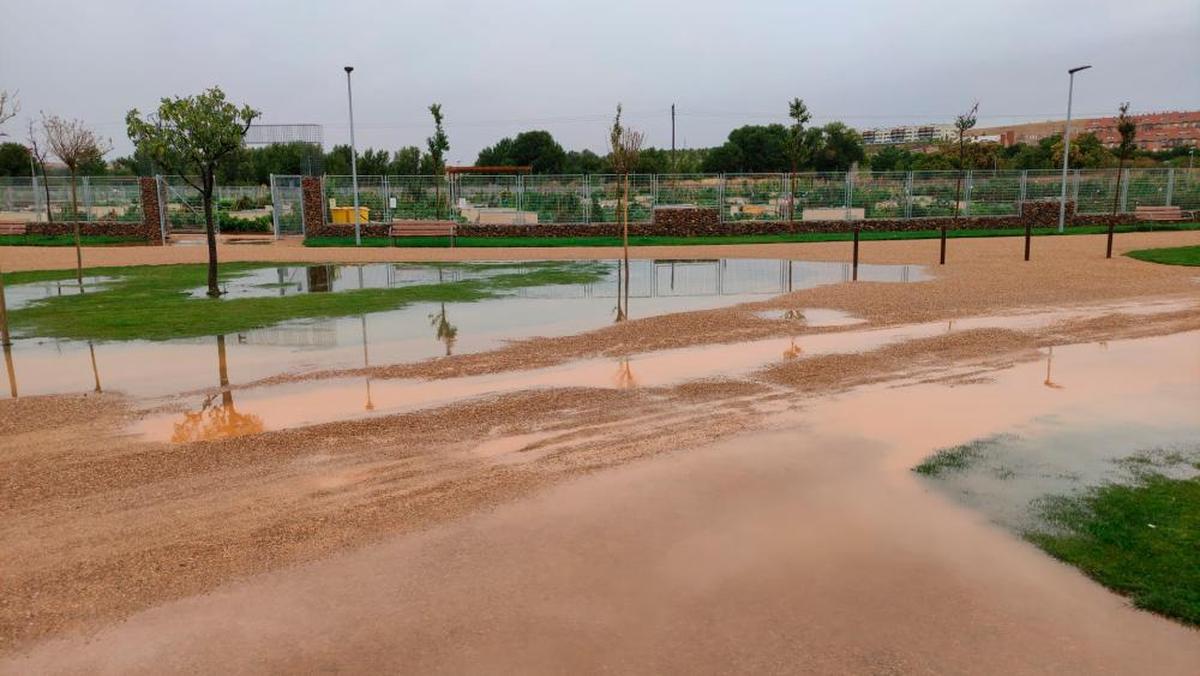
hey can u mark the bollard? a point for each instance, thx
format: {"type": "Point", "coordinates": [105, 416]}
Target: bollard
{"type": "Point", "coordinates": [942, 256]}
{"type": "Point", "coordinates": [1111, 227]}
{"type": "Point", "coordinates": [1028, 235]}
{"type": "Point", "coordinates": [854, 272]}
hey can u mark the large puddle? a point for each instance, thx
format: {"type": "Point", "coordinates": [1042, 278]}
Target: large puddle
{"type": "Point", "coordinates": [411, 333]}
{"type": "Point", "coordinates": [297, 404]}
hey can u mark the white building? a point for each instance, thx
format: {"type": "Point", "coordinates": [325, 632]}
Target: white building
{"type": "Point", "coordinates": [915, 133]}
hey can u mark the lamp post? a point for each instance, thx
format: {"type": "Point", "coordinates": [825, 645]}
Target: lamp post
{"type": "Point", "coordinates": [353, 160]}
{"type": "Point", "coordinates": [1062, 202]}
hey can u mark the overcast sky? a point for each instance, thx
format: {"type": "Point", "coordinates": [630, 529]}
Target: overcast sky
{"type": "Point", "coordinates": [500, 67]}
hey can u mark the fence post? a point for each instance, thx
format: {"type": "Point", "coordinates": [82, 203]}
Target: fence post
{"type": "Point", "coordinates": [587, 199]}
{"type": "Point", "coordinates": [854, 273]}
{"type": "Point", "coordinates": [274, 207]}
{"type": "Point", "coordinates": [87, 199]}
{"type": "Point", "coordinates": [37, 199]}
{"type": "Point", "coordinates": [1075, 194]}
{"type": "Point", "coordinates": [1125, 191]}
{"type": "Point", "coordinates": [162, 205]}
{"type": "Point", "coordinates": [849, 198]}
{"type": "Point", "coordinates": [1170, 185]}
{"type": "Point", "coordinates": [970, 181]}
{"type": "Point", "coordinates": [520, 199]}
{"type": "Point", "coordinates": [387, 200]}
{"type": "Point", "coordinates": [908, 195]}
{"type": "Point", "coordinates": [721, 198]}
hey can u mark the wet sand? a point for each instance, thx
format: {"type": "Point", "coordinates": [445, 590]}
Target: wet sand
{"type": "Point", "coordinates": [141, 536]}
{"type": "Point", "coordinates": [807, 549]}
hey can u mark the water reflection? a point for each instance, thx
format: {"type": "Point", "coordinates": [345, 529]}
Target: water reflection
{"type": "Point", "coordinates": [625, 379]}
{"type": "Point", "coordinates": [12, 374]}
{"type": "Point", "coordinates": [1049, 382]}
{"type": "Point", "coordinates": [216, 421]}
{"type": "Point", "coordinates": [446, 332]}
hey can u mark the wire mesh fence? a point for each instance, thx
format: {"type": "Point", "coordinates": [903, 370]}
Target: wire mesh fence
{"type": "Point", "coordinates": [87, 198]}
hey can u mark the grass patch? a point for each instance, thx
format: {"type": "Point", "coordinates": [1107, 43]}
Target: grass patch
{"type": "Point", "coordinates": [1179, 255]}
{"type": "Point", "coordinates": [154, 302]}
{"type": "Point", "coordinates": [68, 240]}
{"type": "Point", "coordinates": [1142, 540]}
{"type": "Point", "coordinates": [780, 238]}
{"type": "Point", "coordinates": [957, 458]}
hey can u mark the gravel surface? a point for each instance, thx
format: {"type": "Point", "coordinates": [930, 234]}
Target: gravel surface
{"type": "Point", "coordinates": [92, 537]}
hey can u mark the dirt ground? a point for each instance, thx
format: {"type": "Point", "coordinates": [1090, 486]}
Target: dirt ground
{"type": "Point", "coordinates": [488, 522]}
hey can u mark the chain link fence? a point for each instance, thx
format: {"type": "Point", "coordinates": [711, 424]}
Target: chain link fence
{"type": "Point", "coordinates": [94, 198]}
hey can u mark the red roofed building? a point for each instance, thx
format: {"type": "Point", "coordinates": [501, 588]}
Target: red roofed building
{"type": "Point", "coordinates": [1156, 131]}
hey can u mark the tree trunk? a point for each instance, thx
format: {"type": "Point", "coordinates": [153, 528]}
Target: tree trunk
{"type": "Point", "coordinates": [75, 229]}
{"type": "Point", "coordinates": [4, 337]}
{"type": "Point", "coordinates": [223, 373]}
{"type": "Point", "coordinates": [625, 240]}
{"type": "Point", "coordinates": [1117, 192]}
{"type": "Point", "coordinates": [46, 187]}
{"type": "Point", "coordinates": [210, 232]}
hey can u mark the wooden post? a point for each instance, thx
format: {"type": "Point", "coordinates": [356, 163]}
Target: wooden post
{"type": "Point", "coordinates": [942, 255]}
{"type": "Point", "coordinates": [5, 340]}
{"type": "Point", "coordinates": [854, 272]}
{"type": "Point", "coordinates": [1028, 236]}
{"type": "Point", "coordinates": [1112, 225]}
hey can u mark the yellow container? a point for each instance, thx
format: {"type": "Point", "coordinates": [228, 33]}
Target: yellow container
{"type": "Point", "coordinates": [345, 215]}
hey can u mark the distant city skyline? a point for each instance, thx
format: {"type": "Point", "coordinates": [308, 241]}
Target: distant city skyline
{"type": "Point", "coordinates": [500, 69]}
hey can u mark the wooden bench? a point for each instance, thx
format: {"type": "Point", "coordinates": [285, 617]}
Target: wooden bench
{"type": "Point", "coordinates": [1158, 213]}
{"type": "Point", "coordinates": [422, 229]}
{"type": "Point", "coordinates": [10, 228]}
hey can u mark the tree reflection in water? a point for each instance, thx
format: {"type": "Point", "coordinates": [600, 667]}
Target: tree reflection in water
{"type": "Point", "coordinates": [624, 378]}
{"type": "Point", "coordinates": [215, 421]}
{"type": "Point", "coordinates": [12, 374]}
{"type": "Point", "coordinates": [446, 332]}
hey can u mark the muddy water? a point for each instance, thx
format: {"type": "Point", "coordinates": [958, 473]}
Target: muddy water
{"type": "Point", "coordinates": [305, 403]}
{"type": "Point", "coordinates": [415, 332]}
{"type": "Point", "coordinates": [810, 548]}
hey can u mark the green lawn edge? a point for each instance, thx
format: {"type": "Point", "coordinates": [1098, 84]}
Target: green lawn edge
{"type": "Point", "coordinates": [68, 240]}
{"type": "Point", "coordinates": [152, 302]}
{"type": "Point", "coordinates": [1178, 255]}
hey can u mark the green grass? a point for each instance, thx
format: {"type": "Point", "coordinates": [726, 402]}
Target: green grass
{"type": "Point", "coordinates": [1141, 540]}
{"type": "Point", "coordinates": [153, 302]}
{"type": "Point", "coordinates": [67, 240]}
{"type": "Point", "coordinates": [1179, 255]}
{"type": "Point", "coordinates": [957, 458]}
{"type": "Point", "coordinates": [657, 240]}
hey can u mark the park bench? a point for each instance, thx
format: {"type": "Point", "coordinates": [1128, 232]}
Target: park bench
{"type": "Point", "coordinates": [422, 229]}
{"type": "Point", "coordinates": [10, 228]}
{"type": "Point", "coordinates": [1158, 213]}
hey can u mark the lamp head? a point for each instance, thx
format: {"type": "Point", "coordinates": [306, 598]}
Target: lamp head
{"type": "Point", "coordinates": [348, 69]}
{"type": "Point", "coordinates": [1076, 69]}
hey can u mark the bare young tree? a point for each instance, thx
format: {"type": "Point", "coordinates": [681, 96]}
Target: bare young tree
{"type": "Point", "coordinates": [796, 147]}
{"type": "Point", "coordinates": [1127, 128]}
{"type": "Point", "coordinates": [73, 143]}
{"type": "Point", "coordinates": [38, 153]}
{"type": "Point", "coordinates": [626, 146]}
{"type": "Point", "coordinates": [9, 107]}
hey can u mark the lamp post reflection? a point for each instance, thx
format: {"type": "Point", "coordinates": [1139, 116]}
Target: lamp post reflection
{"type": "Point", "coordinates": [217, 421]}
{"type": "Point", "coordinates": [1049, 382]}
{"type": "Point", "coordinates": [370, 405]}
{"type": "Point", "coordinates": [95, 371]}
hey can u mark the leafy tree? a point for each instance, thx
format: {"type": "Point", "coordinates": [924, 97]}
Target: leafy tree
{"type": "Point", "coordinates": [437, 144]}
{"type": "Point", "coordinates": [14, 159]}
{"type": "Point", "coordinates": [962, 124]}
{"type": "Point", "coordinates": [373, 162]}
{"type": "Point", "coordinates": [584, 162]}
{"type": "Point", "coordinates": [1127, 128]}
{"type": "Point", "coordinates": [536, 149]}
{"type": "Point", "coordinates": [796, 147]}
{"type": "Point", "coordinates": [192, 135]}
{"type": "Point", "coordinates": [1087, 151]}
{"type": "Point", "coordinates": [751, 148]}
{"type": "Point", "coordinates": [337, 160]}
{"type": "Point", "coordinates": [838, 147]}
{"type": "Point", "coordinates": [406, 161]}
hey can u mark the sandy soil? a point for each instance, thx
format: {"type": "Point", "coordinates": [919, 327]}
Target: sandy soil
{"type": "Point", "coordinates": [130, 525]}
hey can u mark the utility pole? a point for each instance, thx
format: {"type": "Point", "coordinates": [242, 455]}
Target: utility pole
{"type": "Point", "coordinates": [674, 166]}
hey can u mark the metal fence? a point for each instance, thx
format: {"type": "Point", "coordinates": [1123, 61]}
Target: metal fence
{"type": "Point", "coordinates": [576, 199]}
{"type": "Point", "coordinates": [94, 198]}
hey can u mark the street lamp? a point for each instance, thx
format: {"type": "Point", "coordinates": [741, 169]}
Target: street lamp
{"type": "Point", "coordinates": [353, 160]}
{"type": "Point", "coordinates": [1062, 202]}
